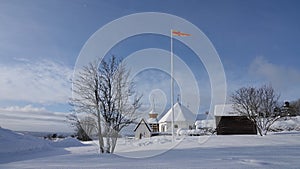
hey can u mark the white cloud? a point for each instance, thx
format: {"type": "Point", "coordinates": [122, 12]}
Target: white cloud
{"type": "Point", "coordinates": [284, 79]}
{"type": "Point", "coordinates": [29, 118]}
{"type": "Point", "coordinates": [39, 82]}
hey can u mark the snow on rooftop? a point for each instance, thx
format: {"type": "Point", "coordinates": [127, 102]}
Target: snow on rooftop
{"type": "Point", "coordinates": [225, 110]}
{"type": "Point", "coordinates": [152, 120]}
{"type": "Point", "coordinates": [205, 123]}
{"type": "Point", "coordinates": [181, 113]}
{"type": "Point", "coordinates": [142, 122]}
{"type": "Point", "coordinates": [152, 112]}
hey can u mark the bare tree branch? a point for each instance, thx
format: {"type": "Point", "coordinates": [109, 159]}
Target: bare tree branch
{"type": "Point", "coordinates": [258, 104]}
{"type": "Point", "coordinates": [107, 93]}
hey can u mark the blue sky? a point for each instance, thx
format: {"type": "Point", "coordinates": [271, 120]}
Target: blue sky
{"type": "Point", "coordinates": [257, 42]}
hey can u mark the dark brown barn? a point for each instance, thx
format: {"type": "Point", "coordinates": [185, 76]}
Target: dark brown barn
{"type": "Point", "coordinates": [235, 125]}
{"type": "Point", "coordinates": [229, 122]}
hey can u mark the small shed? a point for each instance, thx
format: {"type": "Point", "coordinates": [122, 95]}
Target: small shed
{"type": "Point", "coordinates": [142, 130]}
{"type": "Point", "coordinates": [230, 122]}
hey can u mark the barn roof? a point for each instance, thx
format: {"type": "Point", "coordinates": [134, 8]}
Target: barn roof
{"type": "Point", "coordinates": [181, 113]}
{"type": "Point", "coordinates": [225, 110]}
{"type": "Point", "coordinates": [144, 122]}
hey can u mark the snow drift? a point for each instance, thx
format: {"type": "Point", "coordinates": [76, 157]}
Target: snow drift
{"type": "Point", "coordinates": [12, 142]}
{"type": "Point", "coordinates": [292, 123]}
{"type": "Point", "coordinates": [17, 142]}
{"type": "Point", "coordinates": [68, 142]}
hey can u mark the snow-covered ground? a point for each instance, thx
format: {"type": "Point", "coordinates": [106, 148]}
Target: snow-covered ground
{"type": "Point", "coordinates": [277, 150]}
{"type": "Point", "coordinates": [291, 123]}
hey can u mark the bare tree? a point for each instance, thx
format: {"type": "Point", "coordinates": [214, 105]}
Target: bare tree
{"type": "Point", "coordinates": [118, 99]}
{"type": "Point", "coordinates": [259, 105]}
{"type": "Point", "coordinates": [107, 93]}
{"type": "Point", "coordinates": [86, 97]}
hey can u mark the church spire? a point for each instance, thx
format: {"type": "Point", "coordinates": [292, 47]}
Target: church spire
{"type": "Point", "coordinates": [153, 105]}
{"type": "Point", "coordinates": [152, 113]}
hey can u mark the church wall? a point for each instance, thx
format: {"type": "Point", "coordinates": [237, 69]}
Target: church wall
{"type": "Point", "coordinates": [177, 125]}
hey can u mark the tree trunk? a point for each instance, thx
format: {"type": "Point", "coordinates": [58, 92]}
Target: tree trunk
{"type": "Point", "coordinates": [108, 145]}
{"type": "Point", "coordinates": [100, 137]}
{"type": "Point", "coordinates": [259, 131]}
{"type": "Point", "coordinates": [114, 141]}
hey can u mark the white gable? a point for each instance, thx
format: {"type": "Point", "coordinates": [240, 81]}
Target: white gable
{"type": "Point", "coordinates": [181, 113]}
{"type": "Point", "coordinates": [142, 123]}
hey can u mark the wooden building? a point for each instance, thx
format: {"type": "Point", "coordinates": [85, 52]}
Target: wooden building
{"type": "Point", "coordinates": [229, 122]}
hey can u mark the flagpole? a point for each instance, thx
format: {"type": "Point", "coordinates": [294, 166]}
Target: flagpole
{"type": "Point", "coordinates": [172, 86]}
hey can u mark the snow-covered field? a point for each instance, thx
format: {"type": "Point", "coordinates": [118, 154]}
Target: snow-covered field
{"type": "Point", "coordinates": [277, 150]}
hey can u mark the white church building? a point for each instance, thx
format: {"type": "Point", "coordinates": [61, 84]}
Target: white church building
{"type": "Point", "coordinates": [183, 119]}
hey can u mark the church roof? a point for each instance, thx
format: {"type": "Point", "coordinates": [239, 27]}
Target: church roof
{"type": "Point", "coordinates": [181, 113]}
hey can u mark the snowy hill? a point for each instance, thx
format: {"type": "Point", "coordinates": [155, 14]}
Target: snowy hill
{"type": "Point", "coordinates": [17, 142]}
{"type": "Point", "coordinates": [276, 150]}
{"type": "Point", "coordinates": [280, 150]}
{"type": "Point", "coordinates": [17, 146]}
{"type": "Point", "coordinates": [67, 142]}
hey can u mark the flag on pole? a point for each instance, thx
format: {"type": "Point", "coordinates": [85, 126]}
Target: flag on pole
{"type": "Point", "coordinates": [178, 33]}
{"type": "Point", "coordinates": [174, 33]}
